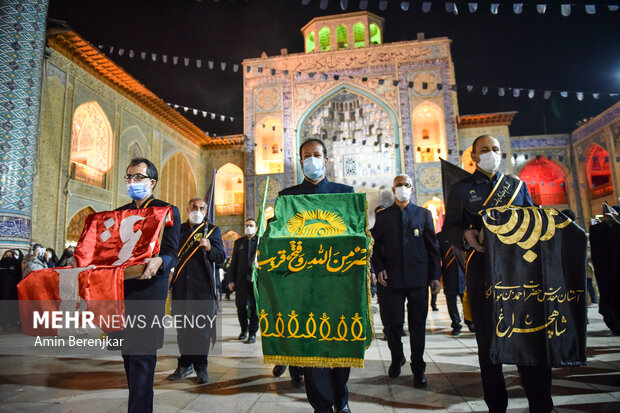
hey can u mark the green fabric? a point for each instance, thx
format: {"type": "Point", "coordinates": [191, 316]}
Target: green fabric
{"type": "Point", "coordinates": [313, 274]}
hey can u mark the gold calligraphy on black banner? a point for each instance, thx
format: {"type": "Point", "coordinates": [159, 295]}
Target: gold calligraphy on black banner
{"type": "Point", "coordinates": [532, 291]}
{"type": "Point", "coordinates": [503, 328]}
{"type": "Point", "coordinates": [297, 260]}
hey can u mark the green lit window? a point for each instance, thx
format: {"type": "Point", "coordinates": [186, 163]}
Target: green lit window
{"type": "Point", "coordinates": [375, 34]}
{"type": "Point", "coordinates": [342, 38]}
{"type": "Point", "coordinates": [359, 35]}
{"type": "Point", "coordinates": [324, 41]}
{"type": "Point", "coordinates": [310, 45]}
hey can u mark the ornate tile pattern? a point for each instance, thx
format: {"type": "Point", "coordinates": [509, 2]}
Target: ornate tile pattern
{"type": "Point", "coordinates": [22, 37]}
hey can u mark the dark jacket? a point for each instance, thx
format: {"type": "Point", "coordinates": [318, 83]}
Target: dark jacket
{"type": "Point", "coordinates": [323, 187]}
{"type": "Point", "coordinates": [196, 281]}
{"type": "Point", "coordinates": [406, 246]}
{"type": "Point", "coordinates": [452, 275]}
{"type": "Point", "coordinates": [466, 199]}
{"type": "Point", "coordinates": [240, 269]}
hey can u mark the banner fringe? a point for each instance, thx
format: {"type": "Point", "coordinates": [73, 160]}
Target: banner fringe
{"type": "Point", "coordinates": [320, 362]}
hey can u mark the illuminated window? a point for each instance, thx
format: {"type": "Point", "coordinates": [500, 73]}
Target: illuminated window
{"type": "Point", "coordinates": [599, 172]}
{"type": "Point", "coordinates": [92, 142]}
{"type": "Point", "coordinates": [435, 205]}
{"type": "Point", "coordinates": [310, 45]}
{"type": "Point", "coordinates": [229, 238]}
{"type": "Point", "coordinates": [342, 37]}
{"type": "Point", "coordinates": [467, 163]}
{"type": "Point", "coordinates": [229, 190]}
{"type": "Point", "coordinates": [269, 158]}
{"type": "Point", "coordinates": [76, 225]}
{"type": "Point", "coordinates": [177, 184]}
{"type": "Point", "coordinates": [359, 35]}
{"type": "Point", "coordinates": [545, 181]}
{"type": "Point", "coordinates": [429, 136]}
{"type": "Point", "coordinates": [324, 39]}
{"type": "Point", "coordinates": [375, 33]}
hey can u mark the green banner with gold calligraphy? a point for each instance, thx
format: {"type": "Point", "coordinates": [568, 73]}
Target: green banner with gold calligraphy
{"type": "Point", "coordinates": [535, 281]}
{"type": "Point", "coordinates": [313, 284]}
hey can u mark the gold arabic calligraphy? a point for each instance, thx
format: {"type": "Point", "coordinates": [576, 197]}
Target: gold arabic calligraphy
{"type": "Point", "coordinates": [526, 291]}
{"type": "Point", "coordinates": [509, 330]}
{"type": "Point", "coordinates": [334, 261]}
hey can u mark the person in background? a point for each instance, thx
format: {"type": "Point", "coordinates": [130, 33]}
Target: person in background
{"type": "Point", "coordinates": [10, 276]}
{"type": "Point", "coordinates": [51, 258]}
{"type": "Point", "coordinates": [66, 259]}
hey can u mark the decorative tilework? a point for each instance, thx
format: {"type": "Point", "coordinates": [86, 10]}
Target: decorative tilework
{"type": "Point", "coordinates": [53, 71]}
{"type": "Point", "coordinates": [428, 178]}
{"type": "Point", "coordinates": [268, 99]}
{"type": "Point", "coordinates": [539, 141]}
{"type": "Point", "coordinates": [22, 37]}
{"type": "Point", "coordinates": [597, 123]}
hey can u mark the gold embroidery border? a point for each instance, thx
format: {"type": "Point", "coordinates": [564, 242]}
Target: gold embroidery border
{"type": "Point", "coordinates": [515, 194]}
{"type": "Point", "coordinates": [321, 362]}
{"type": "Point", "coordinates": [499, 181]}
{"type": "Point", "coordinates": [368, 296]}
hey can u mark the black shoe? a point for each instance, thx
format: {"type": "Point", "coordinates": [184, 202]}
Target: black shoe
{"type": "Point", "coordinates": [419, 380]}
{"type": "Point", "coordinates": [394, 370]}
{"type": "Point", "coordinates": [402, 332]}
{"type": "Point", "coordinates": [435, 308]}
{"type": "Point", "coordinates": [181, 373]}
{"type": "Point", "coordinates": [243, 335]}
{"type": "Point", "coordinates": [203, 376]}
{"type": "Point", "coordinates": [297, 380]}
{"type": "Point", "coordinates": [251, 339]}
{"type": "Point", "coordinates": [456, 331]}
{"type": "Point", "coordinates": [278, 370]}
{"type": "Point", "coordinates": [345, 409]}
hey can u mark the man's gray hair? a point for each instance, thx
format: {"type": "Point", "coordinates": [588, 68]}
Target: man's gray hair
{"type": "Point", "coordinates": [195, 199]}
{"type": "Point", "coordinates": [403, 176]}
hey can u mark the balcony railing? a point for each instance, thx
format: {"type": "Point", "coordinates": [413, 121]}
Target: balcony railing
{"type": "Point", "coordinates": [600, 191]}
{"type": "Point", "coordinates": [228, 209]}
{"type": "Point", "coordinates": [88, 174]}
{"type": "Point", "coordinates": [549, 199]}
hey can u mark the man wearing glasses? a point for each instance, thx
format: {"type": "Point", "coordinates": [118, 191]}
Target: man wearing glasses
{"type": "Point", "coordinates": [146, 295]}
{"type": "Point", "coordinates": [406, 260]}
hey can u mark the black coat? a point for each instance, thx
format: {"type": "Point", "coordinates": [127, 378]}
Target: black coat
{"type": "Point", "coordinates": [240, 269]}
{"type": "Point", "coordinates": [196, 281]}
{"type": "Point", "coordinates": [409, 254]}
{"type": "Point", "coordinates": [323, 187]}
{"type": "Point", "coordinates": [151, 292]}
{"type": "Point", "coordinates": [452, 275]}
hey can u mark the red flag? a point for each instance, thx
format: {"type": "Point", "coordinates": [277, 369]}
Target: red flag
{"type": "Point", "coordinates": [96, 293]}
{"type": "Point", "coordinates": [124, 237]}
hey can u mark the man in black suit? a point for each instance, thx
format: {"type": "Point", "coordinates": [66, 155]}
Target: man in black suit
{"type": "Point", "coordinates": [239, 277]}
{"type": "Point", "coordinates": [193, 289]}
{"type": "Point", "coordinates": [146, 295]}
{"type": "Point", "coordinates": [325, 388]}
{"type": "Point", "coordinates": [406, 261]}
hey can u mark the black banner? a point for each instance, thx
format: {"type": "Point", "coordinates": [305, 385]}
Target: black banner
{"type": "Point", "coordinates": [535, 282]}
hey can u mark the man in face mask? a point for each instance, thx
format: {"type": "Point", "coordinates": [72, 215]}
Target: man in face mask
{"type": "Point", "coordinates": [146, 295]}
{"type": "Point", "coordinates": [193, 289]}
{"type": "Point", "coordinates": [406, 261]}
{"type": "Point", "coordinates": [239, 277]}
{"type": "Point", "coordinates": [488, 187]}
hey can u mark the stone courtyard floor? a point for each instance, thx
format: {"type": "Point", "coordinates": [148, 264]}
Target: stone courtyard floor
{"type": "Point", "coordinates": [240, 382]}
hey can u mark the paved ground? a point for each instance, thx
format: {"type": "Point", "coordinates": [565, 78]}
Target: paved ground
{"type": "Point", "coordinates": [240, 382]}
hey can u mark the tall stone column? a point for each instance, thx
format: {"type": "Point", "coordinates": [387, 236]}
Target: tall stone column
{"type": "Point", "coordinates": [22, 43]}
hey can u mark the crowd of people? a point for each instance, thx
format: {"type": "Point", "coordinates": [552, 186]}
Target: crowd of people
{"type": "Point", "coordinates": [408, 258]}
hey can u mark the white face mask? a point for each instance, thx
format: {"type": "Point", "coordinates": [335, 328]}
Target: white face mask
{"type": "Point", "coordinates": [250, 230]}
{"type": "Point", "coordinates": [196, 217]}
{"type": "Point", "coordinates": [489, 162]}
{"type": "Point", "coordinates": [403, 194]}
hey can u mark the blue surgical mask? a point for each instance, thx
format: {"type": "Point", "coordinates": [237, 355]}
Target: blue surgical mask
{"type": "Point", "coordinates": [137, 191]}
{"type": "Point", "coordinates": [313, 168]}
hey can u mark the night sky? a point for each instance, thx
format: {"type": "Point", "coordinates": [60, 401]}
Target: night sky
{"type": "Point", "coordinates": [579, 53]}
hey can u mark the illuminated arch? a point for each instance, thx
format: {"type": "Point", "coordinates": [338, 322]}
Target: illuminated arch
{"type": "Point", "coordinates": [229, 238]}
{"type": "Point", "coordinates": [177, 184]}
{"type": "Point", "coordinates": [429, 132]}
{"type": "Point", "coordinates": [342, 37]}
{"type": "Point", "coordinates": [359, 34]}
{"type": "Point", "coordinates": [466, 161]}
{"type": "Point", "coordinates": [310, 44]}
{"type": "Point", "coordinates": [269, 139]}
{"type": "Point", "coordinates": [92, 143]}
{"type": "Point", "coordinates": [375, 33]}
{"type": "Point", "coordinates": [324, 39]}
{"type": "Point", "coordinates": [598, 172]}
{"type": "Point", "coordinates": [229, 190]}
{"type": "Point", "coordinates": [546, 181]}
{"type": "Point", "coordinates": [76, 224]}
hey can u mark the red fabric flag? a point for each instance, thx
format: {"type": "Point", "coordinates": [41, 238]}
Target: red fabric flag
{"type": "Point", "coordinates": [124, 237]}
{"type": "Point", "coordinates": [75, 290]}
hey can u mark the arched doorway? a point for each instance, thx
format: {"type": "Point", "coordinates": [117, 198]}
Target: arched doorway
{"type": "Point", "coordinates": [360, 132]}
{"type": "Point", "coordinates": [177, 184]}
{"type": "Point", "coordinates": [467, 162]}
{"type": "Point", "coordinates": [229, 238]}
{"type": "Point", "coordinates": [92, 142]}
{"type": "Point", "coordinates": [599, 172]}
{"type": "Point", "coordinates": [76, 225]}
{"type": "Point", "coordinates": [545, 180]}
{"type": "Point", "coordinates": [429, 132]}
{"type": "Point", "coordinates": [229, 190]}
{"type": "Point", "coordinates": [269, 139]}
